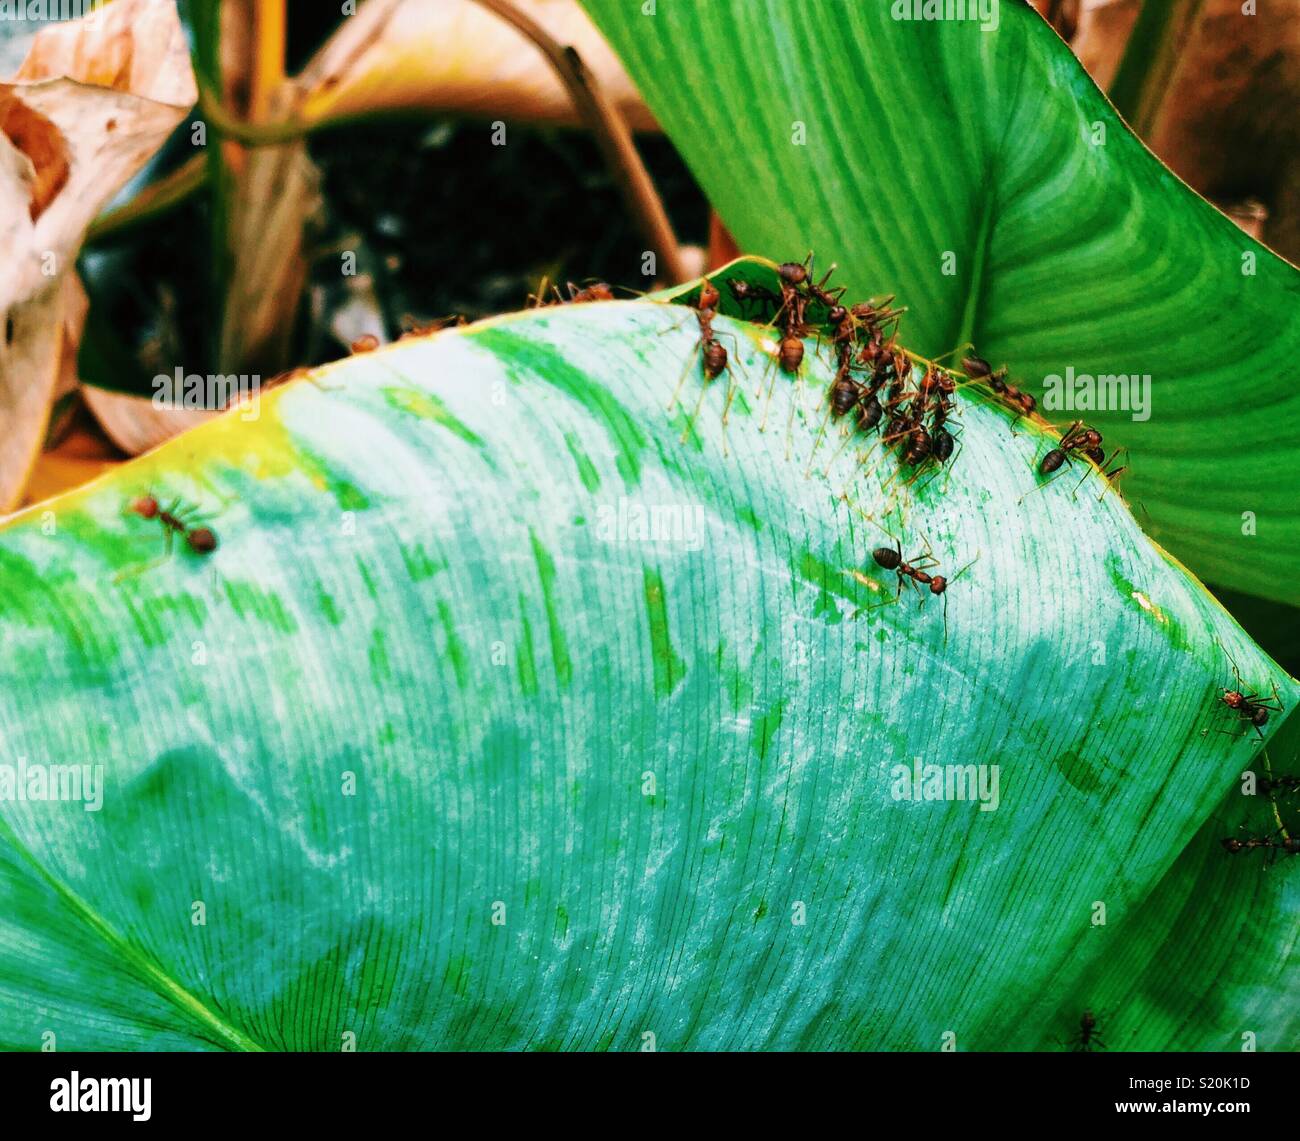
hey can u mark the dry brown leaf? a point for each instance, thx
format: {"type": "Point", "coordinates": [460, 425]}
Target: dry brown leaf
{"type": "Point", "coordinates": [79, 458]}
{"type": "Point", "coordinates": [456, 56]}
{"type": "Point", "coordinates": [277, 193]}
{"type": "Point", "coordinates": [94, 99]}
{"type": "Point", "coordinates": [1228, 123]}
{"type": "Point", "coordinates": [135, 423]}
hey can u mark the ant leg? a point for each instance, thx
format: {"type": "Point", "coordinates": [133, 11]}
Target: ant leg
{"type": "Point", "coordinates": [677, 324]}
{"type": "Point", "coordinates": [789, 420]}
{"type": "Point", "coordinates": [817, 440]}
{"type": "Point", "coordinates": [862, 459]}
{"type": "Point", "coordinates": [771, 390]}
{"type": "Point", "coordinates": [1040, 487]}
{"type": "Point", "coordinates": [168, 536]}
{"type": "Point", "coordinates": [1111, 476]}
{"type": "Point", "coordinates": [681, 380]}
{"type": "Point", "coordinates": [689, 430]}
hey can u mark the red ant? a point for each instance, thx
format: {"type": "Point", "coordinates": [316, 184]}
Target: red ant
{"type": "Point", "coordinates": [747, 292]}
{"type": "Point", "coordinates": [1079, 438]}
{"type": "Point", "coordinates": [1284, 785]}
{"type": "Point", "coordinates": [714, 353]}
{"type": "Point", "coordinates": [1286, 844]}
{"type": "Point", "coordinates": [887, 367]}
{"type": "Point", "coordinates": [794, 305]}
{"type": "Point", "coordinates": [917, 574]}
{"type": "Point", "coordinates": [176, 520]}
{"type": "Point", "coordinates": [596, 291]}
{"type": "Point", "coordinates": [980, 369]}
{"type": "Point", "coordinates": [944, 405]}
{"type": "Point", "coordinates": [1249, 706]}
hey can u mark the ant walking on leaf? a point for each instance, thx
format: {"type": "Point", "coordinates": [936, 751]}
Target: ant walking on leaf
{"type": "Point", "coordinates": [1249, 707]}
{"type": "Point", "coordinates": [916, 574]}
{"type": "Point", "coordinates": [176, 519]}
{"type": "Point", "coordinates": [714, 354]}
{"type": "Point", "coordinates": [1086, 1038]}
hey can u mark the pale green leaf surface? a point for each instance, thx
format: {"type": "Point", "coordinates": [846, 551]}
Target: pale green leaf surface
{"type": "Point", "coordinates": [417, 584]}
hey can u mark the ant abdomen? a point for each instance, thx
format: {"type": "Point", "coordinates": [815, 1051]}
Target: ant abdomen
{"type": "Point", "coordinates": [1053, 460]}
{"type": "Point", "coordinates": [943, 445]}
{"type": "Point", "coordinates": [715, 360]}
{"type": "Point", "coordinates": [791, 354]}
{"type": "Point", "coordinates": [844, 395]}
{"type": "Point", "coordinates": [887, 557]}
{"type": "Point", "coordinates": [870, 413]}
{"type": "Point", "coordinates": [202, 540]}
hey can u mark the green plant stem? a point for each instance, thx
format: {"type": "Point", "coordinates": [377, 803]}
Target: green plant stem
{"type": "Point", "coordinates": [152, 202]}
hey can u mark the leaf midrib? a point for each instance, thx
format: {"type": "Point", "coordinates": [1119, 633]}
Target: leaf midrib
{"type": "Point", "coordinates": [149, 971]}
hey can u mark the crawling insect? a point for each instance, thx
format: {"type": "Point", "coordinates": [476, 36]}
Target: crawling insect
{"type": "Point", "coordinates": [1087, 1039]}
{"type": "Point", "coordinates": [1250, 706]}
{"type": "Point", "coordinates": [177, 519]}
{"type": "Point", "coordinates": [596, 291]}
{"type": "Point", "coordinates": [1285, 843]}
{"type": "Point", "coordinates": [917, 573]}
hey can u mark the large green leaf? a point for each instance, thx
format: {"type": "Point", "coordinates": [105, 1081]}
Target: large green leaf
{"type": "Point", "coordinates": [1071, 246]}
{"type": "Point", "coordinates": [664, 760]}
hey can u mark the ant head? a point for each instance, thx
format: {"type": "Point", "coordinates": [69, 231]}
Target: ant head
{"type": "Point", "coordinates": [837, 314]}
{"type": "Point", "coordinates": [366, 343]}
{"type": "Point", "coordinates": [709, 296]}
{"type": "Point", "coordinates": [146, 507]}
{"type": "Point", "coordinates": [1291, 845]}
{"type": "Point", "coordinates": [938, 584]}
{"type": "Point", "coordinates": [1232, 844]}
